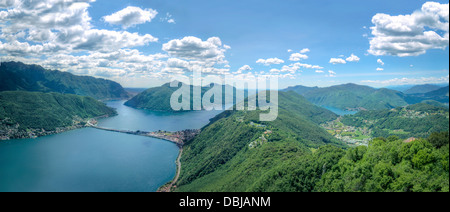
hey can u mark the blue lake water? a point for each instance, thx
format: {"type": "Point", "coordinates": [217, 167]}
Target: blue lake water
{"type": "Point", "coordinates": [94, 160]}
{"type": "Point", "coordinates": [339, 111]}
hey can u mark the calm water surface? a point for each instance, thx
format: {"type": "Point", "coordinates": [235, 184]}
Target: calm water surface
{"type": "Point", "coordinates": [94, 160]}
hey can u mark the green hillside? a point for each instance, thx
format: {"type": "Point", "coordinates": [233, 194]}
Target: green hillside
{"type": "Point", "coordinates": [236, 149]}
{"type": "Point", "coordinates": [419, 120]}
{"type": "Point", "coordinates": [358, 97]}
{"type": "Point", "coordinates": [158, 98]}
{"type": "Point", "coordinates": [23, 112]}
{"type": "Point", "coordinates": [16, 76]}
{"type": "Point", "coordinates": [352, 97]}
{"type": "Point", "coordinates": [391, 165]}
{"type": "Point", "coordinates": [235, 153]}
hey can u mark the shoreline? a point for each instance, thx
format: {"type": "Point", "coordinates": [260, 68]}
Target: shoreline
{"type": "Point", "coordinates": [171, 184]}
{"type": "Point", "coordinates": [37, 133]}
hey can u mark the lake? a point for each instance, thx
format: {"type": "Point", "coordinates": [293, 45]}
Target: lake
{"type": "Point", "coordinates": [98, 161]}
{"type": "Point", "coordinates": [339, 111]}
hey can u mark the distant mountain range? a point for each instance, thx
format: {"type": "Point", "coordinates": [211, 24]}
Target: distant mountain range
{"type": "Point", "coordinates": [422, 89]}
{"type": "Point", "coordinates": [358, 97]}
{"type": "Point", "coordinates": [16, 76]}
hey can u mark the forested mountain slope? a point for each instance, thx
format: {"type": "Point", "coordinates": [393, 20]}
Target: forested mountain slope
{"type": "Point", "coordinates": [16, 76]}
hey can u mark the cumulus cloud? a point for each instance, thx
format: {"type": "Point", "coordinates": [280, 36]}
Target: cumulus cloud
{"type": "Point", "coordinates": [7, 3]}
{"type": "Point", "coordinates": [411, 34]}
{"type": "Point", "coordinates": [64, 27]}
{"type": "Point", "coordinates": [298, 57]}
{"type": "Point", "coordinates": [380, 69]}
{"type": "Point", "coordinates": [319, 71]}
{"type": "Point", "coordinates": [379, 61]}
{"type": "Point", "coordinates": [305, 50]}
{"type": "Point", "coordinates": [53, 33]}
{"type": "Point", "coordinates": [270, 61]}
{"type": "Point", "coordinates": [131, 16]}
{"type": "Point", "coordinates": [210, 51]}
{"type": "Point", "coordinates": [245, 68]}
{"type": "Point", "coordinates": [335, 61]}
{"type": "Point", "coordinates": [353, 58]}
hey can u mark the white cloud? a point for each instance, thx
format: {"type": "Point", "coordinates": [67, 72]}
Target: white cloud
{"type": "Point", "coordinates": [168, 18]}
{"type": "Point", "coordinates": [290, 50]}
{"type": "Point", "coordinates": [7, 3]}
{"type": "Point", "coordinates": [331, 74]}
{"type": "Point", "coordinates": [308, 66]}
{"type": "Point", "coordinates": [64, 27]}
{"type": "Point", "coordinates": [337, 61]}
{"type": "Point", "coordinates": [245, 68]}
{"type": "Point", "coordinates": [270, 61]}
{"type": "Point", "coordinates": [380, 69]}
{"type": "Point", "coordinates": [412, 34]}
{"type": "Point", "coordinates": [298, 57]}
{"type": "Point", "coordinates": [353, 58]}
{"type": "Point", "coordinates": [131, 16]}
{"type": "Point", "coordinates": [379, 61]}
{"type": "Point", "coordinates": [319, 71]}
{"type": "Point", "coordinates": [305, 50]}
{"type": "Point", "coordinates": [54, 33]}
{"type": "Point", "coordinates": [209, 52]}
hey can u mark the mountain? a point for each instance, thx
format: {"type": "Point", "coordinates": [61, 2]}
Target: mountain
{"type": "Point", "coordinates": [419, 120]}
{"type": "Point", "coordinates": [441, 95]}
{"type": "Point", "coordinates": [238, 138]}
{"type": "Point", "coordinates": [422, 89]}
{"type": "Point", "coordinates": [401, 88]}
{"type": "Point", "coordinates": [25, 114]}
{"type": "Point", "coordinates": [16, 76]}
{"type": "Point", "coordinates": [236, 153]}
{"type": "Point", "coordinates": [158, 98]}
{"type": "Point", "coordinates": [301, 89]}
{"type": "Point", "coordinates": [352, 97]}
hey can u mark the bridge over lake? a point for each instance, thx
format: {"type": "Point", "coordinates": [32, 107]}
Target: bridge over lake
{"type": "Point", "coordinates": [179, 138]}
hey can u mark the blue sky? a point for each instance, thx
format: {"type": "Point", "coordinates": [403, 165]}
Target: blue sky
{"type": "Point", "coordinates": [254, 30]}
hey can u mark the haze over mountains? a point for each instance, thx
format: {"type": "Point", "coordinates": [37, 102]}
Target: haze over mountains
{"type": "Point", "coordinates": [422, 89]}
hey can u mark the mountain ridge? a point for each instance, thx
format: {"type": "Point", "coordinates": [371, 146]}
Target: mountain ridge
{"type": "Point", "coordinates": [17, 76]}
